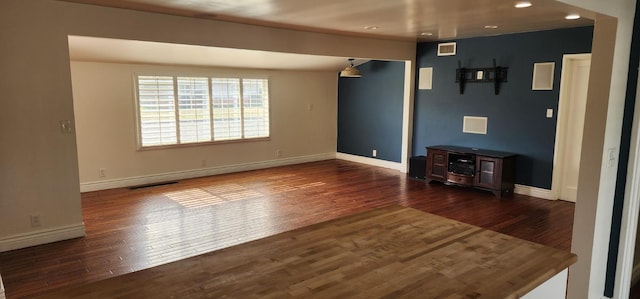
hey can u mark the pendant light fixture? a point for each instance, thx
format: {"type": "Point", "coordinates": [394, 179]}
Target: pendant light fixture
{"type": "Point", "coordinates": [350, 71]}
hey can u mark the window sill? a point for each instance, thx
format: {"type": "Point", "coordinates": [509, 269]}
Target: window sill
{"type": "Point", "coordinates": [209, 143]}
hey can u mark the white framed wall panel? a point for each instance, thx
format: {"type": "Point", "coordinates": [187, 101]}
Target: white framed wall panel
{"type": "Point", "coordinates": [543, 76]}
{"type": "Point", "coordinates": [425, 78]}
{"type": "Point", "coordinates": [475, 125]}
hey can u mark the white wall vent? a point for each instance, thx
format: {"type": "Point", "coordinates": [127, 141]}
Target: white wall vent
{"type": "Point", "coordinates": [474, 125]}
{"type": "Point", "coordinates": [447, 49]}
{"type": "Point", "coordinates": [425, 78]}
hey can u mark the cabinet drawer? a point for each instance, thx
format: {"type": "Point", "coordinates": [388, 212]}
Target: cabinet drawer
{"type": "Point", "coordinates": [460, 179]}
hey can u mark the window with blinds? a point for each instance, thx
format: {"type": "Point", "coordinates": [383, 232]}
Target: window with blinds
{"type": "Point", "coordinates": [194, 111]}
{"type": "Point", "coordinates": [157, 110]}
{"type": "Point", "coordinates": [227, 115]}
{"type": "Point", "coordinates": [185, 110]}
{"type": "Point", "coordinates": [255, 102]}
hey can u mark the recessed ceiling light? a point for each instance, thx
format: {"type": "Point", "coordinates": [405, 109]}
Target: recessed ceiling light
{"type": "Point", "coordinates": [573, 16]}
{"type": "Point", "coordinates": [371, 27]}
{"type": "Point", "coordinates": [523, 4]}
{"type": "Point", "coordinates": [426, 34]}
{"type": "Point", "coordinates": [491, 26]}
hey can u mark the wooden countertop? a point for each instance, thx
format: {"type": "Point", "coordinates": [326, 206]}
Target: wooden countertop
{"type": "Point", "coordinates": [388, 252]}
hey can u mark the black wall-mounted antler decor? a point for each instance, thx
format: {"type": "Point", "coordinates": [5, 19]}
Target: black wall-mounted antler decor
{"type": "Point", "coordinates": [495, 74]}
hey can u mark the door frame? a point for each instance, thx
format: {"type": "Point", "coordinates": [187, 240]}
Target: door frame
{"type": "Point", "coordinates": [568, 61]}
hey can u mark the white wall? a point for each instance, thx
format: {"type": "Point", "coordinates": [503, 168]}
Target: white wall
{"type": "Point", "coordinates": [39, 172]}
{"type": "Point", "coordinates": [596, 185]}
{"type": "Point", "coordinates": [103, 100]}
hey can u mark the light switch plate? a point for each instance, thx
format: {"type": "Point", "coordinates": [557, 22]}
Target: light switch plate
{"type": "Point", "coordinates": [549, 113]}
{"type": "Point", "coordinates": [611, 157]}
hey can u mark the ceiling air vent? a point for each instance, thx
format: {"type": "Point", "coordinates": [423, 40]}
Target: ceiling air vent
{"type": "Point", "coordinates": [447, 49]}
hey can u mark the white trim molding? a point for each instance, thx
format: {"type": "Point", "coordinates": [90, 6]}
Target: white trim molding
{"type": "Point", "coordinates": [562, 119]}
{"type": "Point", "coordinates": [626, 271]}
{"type": "Point", "coordinates": [1, 289]}
{"type": "Point", "coordinates": [371, 161]}
{"type": "Point", "coordinates": [201, 172]}
{"type": "Point", "coordinates": [519, 189]}
{"type": "Point", "coordinates": [534, 191]}
{"type": "Point", "coordinates": [42, 237]}
{"type": "Point", "coordinates": [407, 113]}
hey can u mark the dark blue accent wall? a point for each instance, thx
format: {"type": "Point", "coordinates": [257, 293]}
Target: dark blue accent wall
{"type": "Point", "coordinates": [517, 120]}
{"type": "Point", "coordinates": [370, 111]}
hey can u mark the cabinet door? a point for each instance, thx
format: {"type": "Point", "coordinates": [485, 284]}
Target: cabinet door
{"type": "Point", "coordinates": [488, 171]}
{"type": "Point", "coordinates": [436, 164]}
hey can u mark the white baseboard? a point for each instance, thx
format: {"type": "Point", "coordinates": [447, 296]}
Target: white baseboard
{"type": "Point", "coordinates": [42, 237]}
{"type": "Point", "coordinates": [519, 189]}
{"type": "Point", "coordinates": [534, 191]}
{"type": "Point", "coordinates": [195, 173]}
{"type": "Point", "coordinates": [372, 161]}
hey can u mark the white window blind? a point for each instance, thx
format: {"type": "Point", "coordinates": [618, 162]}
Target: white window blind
{"type": "Point", "coordinates": [227, 113]}
{"type": "Point", "coordinates": [194, 109]}
{"type": "Point", "coordinates": [183, 110]}
{"type": "Point", "coordinates": [255, 97]}
{"type": "Point", "coordinates": [157, 110]}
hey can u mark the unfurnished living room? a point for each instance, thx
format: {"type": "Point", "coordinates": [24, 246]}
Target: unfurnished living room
{"type": "Point", "coordinates": [344, 149]}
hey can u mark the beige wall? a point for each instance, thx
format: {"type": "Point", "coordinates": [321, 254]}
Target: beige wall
{"type": "Point", "coordinates": [39, 172]}
{"type": "Point", "coordinates": [596, 185]}
{"type": "Point", "coordinates": [103, 99]}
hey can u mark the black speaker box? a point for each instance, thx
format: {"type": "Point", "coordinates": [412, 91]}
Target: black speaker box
{"type": "Point", "coordinates": [418, 167]}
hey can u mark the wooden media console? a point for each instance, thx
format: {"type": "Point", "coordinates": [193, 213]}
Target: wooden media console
{"type": "Point", "coordinates": [470, 167]}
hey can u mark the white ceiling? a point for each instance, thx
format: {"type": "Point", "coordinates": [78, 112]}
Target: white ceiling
{"type": "Point", "coordinates": [82, 48]}
{"type": "Point", "coordinates": [395, 19]}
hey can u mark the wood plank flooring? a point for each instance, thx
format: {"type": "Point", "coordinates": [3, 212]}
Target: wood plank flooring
{"type": "Point", "coordinates": [130, 230]}
{"type": "Point", "coordinates": [389, 252]}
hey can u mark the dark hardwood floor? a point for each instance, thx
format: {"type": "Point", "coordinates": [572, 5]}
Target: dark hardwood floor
{"type": "Point", "coordinates": [129, 230]}
{"type": "Point", "coordinates": [634, 292]}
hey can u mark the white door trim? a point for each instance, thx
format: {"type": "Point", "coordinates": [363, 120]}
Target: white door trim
{"type": "Point", "coordinates": [629, 225]}
{"type": "Point", "coordinates": [562, 121]}
{"type": "Point", "coordinates": [407, 114]}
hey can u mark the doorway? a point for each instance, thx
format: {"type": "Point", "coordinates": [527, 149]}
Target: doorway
{"type": "Point", "coordinates": [574, 84]}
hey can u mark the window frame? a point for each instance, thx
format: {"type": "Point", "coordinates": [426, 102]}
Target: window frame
{"type": "Point", "coordinates": [175, 76]}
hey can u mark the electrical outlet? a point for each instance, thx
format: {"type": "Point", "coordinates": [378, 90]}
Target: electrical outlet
{"type": "Point", "coordinates": [203, 163]}
{"type": "Point", "coordinates": [35, 220]}
{"type": "Point", "coordinates": [278, 153]}
{"type": "Point", "coordinates": [375, 153]}
{"type": "Point", "coordinates": [549, 113]}
{"type": "Point", "coordinates": [102, 173]}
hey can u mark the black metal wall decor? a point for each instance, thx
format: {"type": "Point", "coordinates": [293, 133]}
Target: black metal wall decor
{"type": "Point", "coordinates": [495, 74]}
